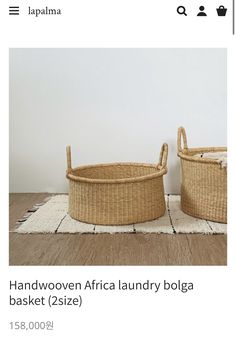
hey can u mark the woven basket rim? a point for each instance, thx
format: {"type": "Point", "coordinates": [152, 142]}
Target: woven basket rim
{"type": "Point", "coordinates": [188, 154]}
{"type": "Point", "coordinates": [160, 171]}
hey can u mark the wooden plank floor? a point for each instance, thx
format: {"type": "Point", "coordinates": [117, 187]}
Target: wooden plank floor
{"type": "Point", "coordinates": [108, 249]}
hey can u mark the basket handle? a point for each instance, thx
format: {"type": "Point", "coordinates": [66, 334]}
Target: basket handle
{"type": "Point", "coordinates": [68, 155]}
{"type": "Point", "coordinates": [182, 137]}
{"type": "Point", "coordinates": [163, 156]}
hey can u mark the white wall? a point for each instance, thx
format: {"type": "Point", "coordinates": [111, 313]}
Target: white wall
{"type": "Point", "coordinates": [110, 105]}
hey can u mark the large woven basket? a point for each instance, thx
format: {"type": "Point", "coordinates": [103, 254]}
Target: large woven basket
{"type": "Point", "coordinates": [118, 193]}
{"type": "Point", "coordinates": [204, 182]}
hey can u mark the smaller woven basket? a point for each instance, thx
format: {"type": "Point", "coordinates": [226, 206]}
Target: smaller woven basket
{"type": "Point", "coordinates": [118, 193]}
{"type": "Point", "coordinates": [204, 182]}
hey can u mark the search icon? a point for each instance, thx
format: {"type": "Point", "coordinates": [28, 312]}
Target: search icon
{"type": "Point", "coordinates": [181, 10]}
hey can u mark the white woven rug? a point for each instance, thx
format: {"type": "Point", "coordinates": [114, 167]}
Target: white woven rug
{"type": "Point", "coordinates": [52, 217]}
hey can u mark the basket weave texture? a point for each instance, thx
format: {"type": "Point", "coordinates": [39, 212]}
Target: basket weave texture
{"type": "Point", "coordinates": [118, 193]}
{"type": "Point", "coordinates": [204, 182]}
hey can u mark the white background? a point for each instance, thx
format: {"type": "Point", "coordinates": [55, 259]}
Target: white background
{"type": "Point", "coordinates": [110, 105]}
{"type": "Point", "coordinates": [208, 311]}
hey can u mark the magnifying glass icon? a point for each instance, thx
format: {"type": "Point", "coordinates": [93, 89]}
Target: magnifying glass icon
{"type": "Point", "coordinates": [181, 10]}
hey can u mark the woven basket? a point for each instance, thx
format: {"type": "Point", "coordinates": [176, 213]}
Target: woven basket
{"type": "Point", "coordinates": [117, 194]}
{"type": "Point", "coordinates": [204, 182]}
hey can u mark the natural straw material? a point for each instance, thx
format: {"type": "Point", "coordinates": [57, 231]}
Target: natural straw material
{"type": "Point", "coordinates": [117, 194]}
{"type": "Point", "coordinates": [204, 182]}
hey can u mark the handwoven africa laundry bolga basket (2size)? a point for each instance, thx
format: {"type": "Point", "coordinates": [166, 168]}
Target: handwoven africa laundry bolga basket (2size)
{"type": "Point", "coordinates": [204, 182]}
{"type": "Point", "coordinates": [118, 193]}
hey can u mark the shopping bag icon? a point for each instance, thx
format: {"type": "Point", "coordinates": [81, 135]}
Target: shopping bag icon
{"type": "Point", "coordinates": [221, 11]}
